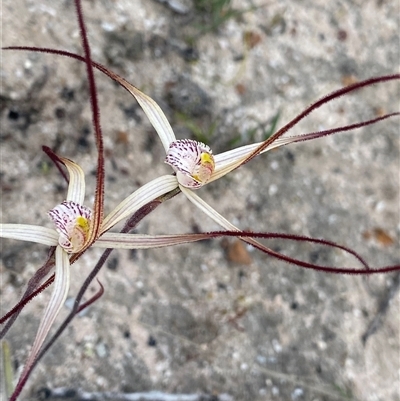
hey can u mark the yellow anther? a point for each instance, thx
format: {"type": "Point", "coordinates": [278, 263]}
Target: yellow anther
{"type": "Point", "coordinates": [82, 223]}
{"type": "Point", "coordinates": [206, 158]}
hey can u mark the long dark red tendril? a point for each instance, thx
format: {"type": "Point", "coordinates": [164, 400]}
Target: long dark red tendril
{"type": "Point", "coordinates": [99, 193]}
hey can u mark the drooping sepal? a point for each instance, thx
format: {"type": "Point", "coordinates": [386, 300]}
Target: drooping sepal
{"type": "Point", "coordinates": [192, 161]}
{"type": "Point", "coordinates": [72, 222]}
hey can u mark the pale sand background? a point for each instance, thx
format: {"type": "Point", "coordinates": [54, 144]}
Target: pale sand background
{"type": "Point", "coordinates": [298, 333]}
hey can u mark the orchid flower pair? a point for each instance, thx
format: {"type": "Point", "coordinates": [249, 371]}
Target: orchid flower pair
{"type": "Point", "coordinates": [77, 227]}
{"type": "Point", "coordinates": [194, 163]}
{"type": "Point", "coordinates": [194, 166]}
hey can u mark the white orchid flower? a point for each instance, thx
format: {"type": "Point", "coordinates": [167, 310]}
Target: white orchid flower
{"type": "Point", "coordinates": [72, 229]}
{"type": "Point", "coordinates": [194, 165]}
{"type": "Point", "coordinates": [193, 161]}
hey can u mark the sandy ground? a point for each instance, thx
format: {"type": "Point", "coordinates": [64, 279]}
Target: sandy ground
{"type": "Point", "coordinates": [214, 318]}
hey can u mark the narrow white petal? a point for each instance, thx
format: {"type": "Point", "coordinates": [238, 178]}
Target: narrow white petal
{"type": "Point", "coordinates": [24, 232]}
{"type": "Point", "coordinates": [157, 118]}
{"type": "Point", "coordinates": [145, 194]}
{"type": "Point", "coordinates": [153, 113]}
{"type": "Point", "coordinates": [227, 161]}
{"type": "Point", "coordinates": [76, 186]}
{"type": "Point", "coordinates": [209, 211]}
{"type": "Point", "coordinates": [138, 241]}
{"type": "Point", "coordinates": [58, 297]}
{"type": "Point", "coordinates": [233, 155]}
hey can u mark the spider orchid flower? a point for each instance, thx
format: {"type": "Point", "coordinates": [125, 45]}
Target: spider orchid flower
{"type": "Point", "coordinates": [71, 237]}
{"type": "Point", "coordinates": [193, 161]}
{"type": "Point", "coordinates": [72, 229]}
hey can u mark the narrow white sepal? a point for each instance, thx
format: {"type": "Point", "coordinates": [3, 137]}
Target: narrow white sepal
{"type": "Point", "coordinates": [153, 112]}
{"type": "Point", "coordinates": [138, 241]}
{"type": "Point", "coordinates": [30, 233]}
{"type": "Point", "coordinates": [213, 214]}
{"type": "Point", "coordinates": [76, 186]}
{"type": "Point", "coordinates": [208, 210]}
{"type": "Point", "coordinates": [227, 161]}
{"type": "Point", "coordinates": [145, 194]}
{"type": "Point", "coordinates": [58, 297]}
